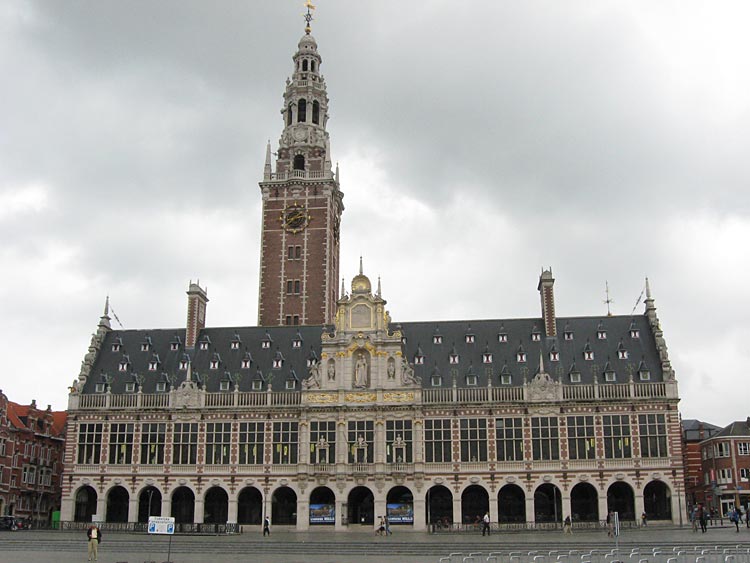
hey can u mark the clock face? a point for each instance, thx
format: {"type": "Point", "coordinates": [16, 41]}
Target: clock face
{"type": "Point", "coordinates": [294, 218]}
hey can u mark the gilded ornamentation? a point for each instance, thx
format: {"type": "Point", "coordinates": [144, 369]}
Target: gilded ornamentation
{"type": "Point", "coordinates": [322, 398]}
{"type": "Point", "coordinates": [360, 397]}
{"type": "Point", "coordinates": [398, 397]}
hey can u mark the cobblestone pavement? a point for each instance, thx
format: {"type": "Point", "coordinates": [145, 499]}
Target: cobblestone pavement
{"type": "Point", "coordinates": [325, 546]}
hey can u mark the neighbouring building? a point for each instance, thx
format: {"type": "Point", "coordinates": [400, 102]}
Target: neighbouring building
{"type": "Point", "coordinates": [693, 433]}
{"type": "Point", "coordinates": [31, 452]}
{"type": "Point", "coordinates": [725, 479]}
{"type": "Point", "coordinates": [330, 413]}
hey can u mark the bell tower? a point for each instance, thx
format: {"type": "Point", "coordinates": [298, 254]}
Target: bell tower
{"type": "Point", "coordinates": [302, 204]}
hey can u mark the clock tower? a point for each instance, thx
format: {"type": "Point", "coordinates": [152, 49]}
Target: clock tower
{"type": "Point", "coordinates": [302, 205]}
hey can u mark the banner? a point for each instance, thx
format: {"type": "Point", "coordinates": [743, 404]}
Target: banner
{"type": "Point", "coordinates": [322, 514]}
{"type": "Point", "coordinates": [400, 513]}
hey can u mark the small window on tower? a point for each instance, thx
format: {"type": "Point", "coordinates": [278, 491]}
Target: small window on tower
{"type": "Point", "coordinates": [289, 287]}
{"type": "Point", "coordinates": [290, 253]}
{"type": "Point", "coordinates": [316, 112]}
{"type": "Point", "coordinates": [296, 286]}
{"type": "Point", "coordinates": [301, 113]}
{"type": "Point", "coordinates": [289, 115]}
{"type": "Point", "coordinates": [298, 252]}
{"type": "Point", "coordinates": [304, 66]}
{"type": "Point", "coordinates": [299, 162]}
{"type": "Point", "coordinates": [312, 66]}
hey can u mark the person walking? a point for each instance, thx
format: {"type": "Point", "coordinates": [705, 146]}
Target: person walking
{"type": "Point", "coordinates": [381, 527]}
{"type": "Point", "coordinates": [266, 526]}
{"type": "Point", "coordinates": [734, 518]}
{"type": "Point", "coordinates": [486, 523]}
{"type": "Point", "coordinates": [610, 524]}
{"type": "Point", "coordinates": [94, 535]}
{"type": "Point", "coordinates": [694, 518]}
{"type": "Point", "coordinates": [702, 517]}
{"type": "Point", "coordinates": [643, 519]}
{"type": "Point", "coordinates": [387, 526]}
{"type": "Point", "coordinates": [567, 525]}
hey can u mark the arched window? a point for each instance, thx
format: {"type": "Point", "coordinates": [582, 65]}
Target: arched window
{"type": "Point", "coordinates": [302, 111]}
{"type": "Point", "coordinates": [299, 162]}
{"type": "Point", "coordinates": [304, 65]}
{"type": "Point", "coordinates": [316, 112]}
{"type": "Point", "coordinates": [312, 66]}
{"type": "Point", "coordinates": [289, 115]}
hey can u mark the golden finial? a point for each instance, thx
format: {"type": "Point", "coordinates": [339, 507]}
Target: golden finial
{"type": "Point", "coordinates": [308, 16]}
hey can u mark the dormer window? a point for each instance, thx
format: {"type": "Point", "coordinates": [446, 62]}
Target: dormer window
{"type": "Point", "coordinates": [257, 385]}
{"type": "Point", "coordinates": [568, 335]}
{"type": "Point", "coordinates": [601, 334]}
{"type": "Point", "coordinates": [245, 363]}
{"type": "Point", "coordinates": [470, 339]}
{"type": "Point", "coordinates": [161, 386]}
{"type": "Point", "coordinates": [224, 385]}
{"type": "Point", "coordinates": [174, 346]}
{"type": "Point", "coordinates": [234, 345]}
{"type": "Point", "coordinates": [554, 356]}
{"type": "Point", "coordinates": [622, 354]}
{"type": "Point", "coordinates": [486, 358]}
{"type": "Point", "coordinates": [644, 375]}
{"type": "Point", "coordinates": [471, 380]}
{"type": "Point", "coordinates": [265, 344]}
{"type": "Point", "coordinates": [521, 357]}
{"type": "Point", "coordinates": [291, 384]}
{"type": "Point", "coordinates": [203, 345]}
{"type": "Point", "coordinates": [311, 362]}
{"type": "Point", "coordinates": [418, 360]}
{"type": "Point", "coordinates": [588, 355]}
{"type": "Point", "coordinates": [610, 376]}
{"type": "Point", "coordinates": [214, 364]}
{"type": "Point", "coordinates": [502, 337]}
{"type": "Point", "coordinates": [453, 358]}
{"type": "Point", "coordinates": [436, 380]}
{"type": "Point", "coordinates": [152, 365]}
{"type": "Point", "coordinates": [635, 334]}
{"type": "Point", "coordinates": [437, 339]}
{"type": "Point", "coordinates": [123, 366]}
{"type": "Point", "coordinates": [575, 376]}
{"type": "Point", "coordinates": [277, 362]}
{"type": "Point", "coordinates": [99, 387]}
{"type": "Point", "coordinates": [296, 343]}
{"type": "Point", "coordinates": [116, 347]}
{"type": "Point", "coordinates": [536, 336]}
{"type": "Point", "coordinates": [145, 347]}
{"type": "Point", "coordinates": [505, 379]}
{"type": "Point", "coordinates": [183, 365]}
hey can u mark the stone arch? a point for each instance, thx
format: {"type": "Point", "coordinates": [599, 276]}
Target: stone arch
{"type": "Point", "coordinates": [475, 502]}
{"type": "Point", "coordinates": [249, 506]}
{"type": "Point", "coordinates": [183, 505]}
{"type": "Point", "coordinates": [399, 505]}
{"type": "Point", "coordinates": [584, 503]}
{"type": "Point", "coordinates": [118, 500]}
{"type": "Point", "coordinates": [361, 506]}
{"type": "Point", "coordinates": [439, 500]}
{"type": "Point", "coordinates": [547, 503]}
{"type": "Point", "coordinates": [511, 504]}
{"type": "Point", "coordinates": [216, 506]}
{"type": "Point", "coordinates": [284, 506]}
{"type": "Point", "coordinates": [86, 498]}
{"type": "Point", "coordinates": [621, 499]}
{"type": "Point", "coordinates": [322, 506]}
{"type": "Point", "coordinates": [657, 501]}
{"type": "Point", "coordinates": [149, 503]}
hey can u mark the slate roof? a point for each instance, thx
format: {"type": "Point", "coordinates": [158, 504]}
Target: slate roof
{"type": "Point", "coordinates": [740, 428]}
{"type": "Point", "coordinates": [524, 335]}
{"type": "Point", "coordinates": [691, 429]}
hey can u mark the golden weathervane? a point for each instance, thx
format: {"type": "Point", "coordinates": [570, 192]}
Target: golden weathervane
{"type": "Point", "coordinates": [308, 16]}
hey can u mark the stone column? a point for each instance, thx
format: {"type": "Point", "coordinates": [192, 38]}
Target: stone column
{"type": "Point", "coordinates": [232, 510]}
{"type": "Point", "coordinates": [101, 507]}
{"type": "Point", "coordinates": [303, 513]}
{"type": "Point", "coordinates": [457, 509]}
{"type": "Point", "coordinates": [199, 512]}
{"type": "Point", "coordinates": [133, 509]}
{"type": "Point", "coordinates": [166, 505]}
{"type": "Point", "coordinates": [530, 516]}
{"type": "Point", "coordinates": [494, 508]}
{"type": "Point", "coordinates": [379, 449]}
{"type": "Point", "coordinates": [304, 442]}
{"type": "Point", "coordinates": [602, 504]}
{"type": "Point", "coordinates": [342, 447]}
{"type": "Point", "coordinates": [566, 508]}
{"type": "Point", "coordinates": [339, 514]}
{"type": "Point", "coordinates": [640, 506]}
{"type": "Point", "coordinates": [67, 509]}
{"type": "Point", "coordinates": [380, 508]}
{"type": "Point", "coordinates": [420, 512]}
{"type": "Point", "coordinates": [418, 441]}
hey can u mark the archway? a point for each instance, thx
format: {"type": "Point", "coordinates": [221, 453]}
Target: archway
{"type": "Point", "coordinates": [216, 506]}
{"type": "Point", "coordinates": [439, 506]}
{"type": "Point", "coordinates": [400, 506]}
{"type": "Point", "coordinates": [511, 504]}
{"type": "Point", "coordinates": [620, 499]}
{"type": "Point", "coordinates": [547, 503]}
{"type": "Point", "coordinates": [117, 505]}
{"type": "Point", "coordinates": [149, 503]}
{"type": "Point", "coordinates": [183, 505]}
{"type": "Point", "coordinates": [584, 503]}
{"type": "Point", "coordinates": [284, 506]}
{"type": "Point", "coordinates": [657, 501]}
{"type": "Point", "coordinates": [475, 502]}
{"type": "Point", "coordinates": [249, 506]}
{"type": "Point", "coordinates": [85, 504]}
{"type": "Point", "coordinates": [361, 506]}
{"type": "Point", "coordinates": [322, 506]}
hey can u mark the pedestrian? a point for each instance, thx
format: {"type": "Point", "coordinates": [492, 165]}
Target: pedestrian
{"type": "Point", "coordinates": [734, 518]}
{"type": "Point", "coordinates": [643, 519]}
{"type": "Point", "coordinates": [387, 526]}
{"type": "Point", "coordinates": [694, 518]}
{"type": "Point", "coordinates": [567, 525]}
{"type": "Point", "coordinates": [702, 517]}
{"type": "Point", "coordinates": [610, 524]}
{"type": "Point", "coordinates": [266, 526]}
{"type": "Point", "coordinates": [381, 527]}
{"type": "Point", "coordinates": [486, 523]}
{"type": "Point", "coordinates": [94, 535]}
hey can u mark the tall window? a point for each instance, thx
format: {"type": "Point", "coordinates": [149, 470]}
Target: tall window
{"type": "Point", "coordinates": [153, 438]}
{"type": "Point", "coordinates": [285, 436]}
{"type": "Point", "coordinates": [473, 439]}
{"type": "Point", "coordinates": [218, 441]}
{"type": "Point", "coordinates": [251, 443]}
{"type": "Point", "coordinates": [617, 443]}
{"type": "Point", "coordinates": [653, 430]}
{"type": "Point", "coordinates": [89, 443]}
{"type": "Point", "coordinates": [316, 112]}
{"type": "Point", "coordinates": [437, 440]}
{"type": "Point", "coordinates": [323, 441]}
{"type": "Point", "coordinates": [545, 438]}
{"type": "Point", "coordinates": [121, 443]}
{"type": "Point", "coordinates": [509, 439]}
{"type": "Point", "coordinates": [185, 443]}
{"type": "Point", "coordinates": [302, 111]}
{"type": "Point", "coordinates": [299, 162]}
{"type": "Point", "coordinates": [361, 438]}
{"type": "Point", "coordinates": [581, 440]}
{"type": "Point", "coordinates": [398, 441]}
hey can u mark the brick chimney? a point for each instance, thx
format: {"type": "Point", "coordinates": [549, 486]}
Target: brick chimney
{"type": "Point", "coordinates": [547, 294]}
{"type": "Point", "coordinates": [196, 317]}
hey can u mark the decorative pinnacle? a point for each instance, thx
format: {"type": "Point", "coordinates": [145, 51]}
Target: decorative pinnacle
{"type": "Point", "coordinates": [308, 16]}
{"type": "Point", "coordinates": [608, 300]}
{"type": "Point", "coordinates": [360, 265]}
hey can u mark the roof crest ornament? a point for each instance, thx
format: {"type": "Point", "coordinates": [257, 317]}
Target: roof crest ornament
{"type": "Point", "coordinates": [308, 16]}
{"type": "Point", "coordinates": [609, 300]}
{"type": "Point", "coordinates": [360, 266]}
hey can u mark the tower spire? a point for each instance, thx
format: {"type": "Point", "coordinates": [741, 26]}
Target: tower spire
{"type": "Point", "coordinates": [105, 318]}
{"type": "Point", "coordinates": [267, 168]}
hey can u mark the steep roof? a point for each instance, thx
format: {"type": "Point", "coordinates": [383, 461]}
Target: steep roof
{"type": "Point", "coordinates": [739, 428]}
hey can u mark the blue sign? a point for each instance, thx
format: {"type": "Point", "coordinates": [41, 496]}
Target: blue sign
{"type": "Point", "coordinates": [322, 514]}
{"type": "Point", "coordinates": [400, 513]}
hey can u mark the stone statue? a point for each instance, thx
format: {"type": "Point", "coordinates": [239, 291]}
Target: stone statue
{"type": "Point", "coordinates": [331, 371]}
{"type": "Point", "coordinates": [407, 374]}
{"type": "Point", "coordinates": [391, 369]}
{"type": "Point", "coordinates": [360, 372]}
{"type": "Point", "coordinates": [312, 381]}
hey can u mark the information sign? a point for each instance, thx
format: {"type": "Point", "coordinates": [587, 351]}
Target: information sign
{"type": "Point", "coordinates": [160, 525]}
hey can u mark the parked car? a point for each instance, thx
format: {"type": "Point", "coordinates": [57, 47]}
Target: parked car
{"type": "Point", "coordinates": [8, 523]}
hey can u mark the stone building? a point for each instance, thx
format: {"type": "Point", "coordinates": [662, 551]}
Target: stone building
{"type": "Point", "coordinates": [329, 413]}
{"type": "Point", "coordinates": [31, 452]}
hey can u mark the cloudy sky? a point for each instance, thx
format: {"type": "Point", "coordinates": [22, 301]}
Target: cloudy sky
{"type": "Point", "coordinates": [478, 142]}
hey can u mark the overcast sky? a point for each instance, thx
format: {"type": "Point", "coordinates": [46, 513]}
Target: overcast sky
{"type": "Point", "coordinates": [477, 141]}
